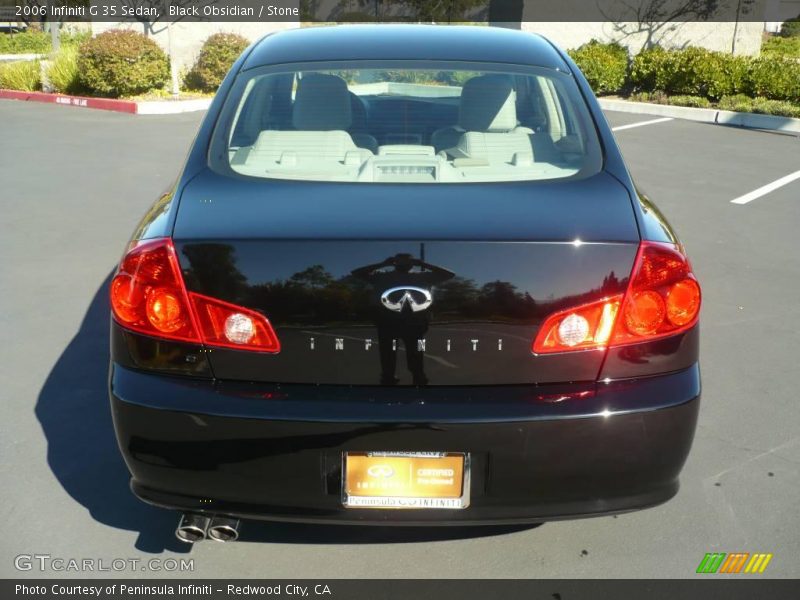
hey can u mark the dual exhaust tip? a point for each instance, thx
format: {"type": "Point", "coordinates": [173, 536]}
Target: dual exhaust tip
{"type": "Point", "coordinates": [193, 528]}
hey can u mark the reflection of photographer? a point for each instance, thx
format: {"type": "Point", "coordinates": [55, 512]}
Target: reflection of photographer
{"type": "Point", "coordinates": [405, 325]}
{"type": "Point", "coordinates": [401, 275]}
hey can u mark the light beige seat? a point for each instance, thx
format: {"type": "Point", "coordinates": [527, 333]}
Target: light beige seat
{"type": "Point", "coordinates": [487, 128]}
{"type": "Point", "coordinates": [321, 114]}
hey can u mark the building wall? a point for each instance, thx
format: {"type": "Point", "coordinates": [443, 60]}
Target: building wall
{"type": "Point", "coordinates": [741, 38]}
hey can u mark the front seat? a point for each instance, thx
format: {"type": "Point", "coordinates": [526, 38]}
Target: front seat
{"type": "Point", "coordinates": [487, 122]}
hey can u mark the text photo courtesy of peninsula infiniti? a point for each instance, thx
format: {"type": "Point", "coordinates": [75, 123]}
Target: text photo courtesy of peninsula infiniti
{"type": "Point", "coordinates": [403, 278]}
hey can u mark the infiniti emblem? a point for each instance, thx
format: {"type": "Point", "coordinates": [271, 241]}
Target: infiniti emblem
{"type": "Point", "coordinates": [381, 471]}
{"type": "Point", "coordinates": [397, 298]}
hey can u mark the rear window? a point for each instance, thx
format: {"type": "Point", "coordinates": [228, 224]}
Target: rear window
{"type": "Point", "coordinates": [412, 124]}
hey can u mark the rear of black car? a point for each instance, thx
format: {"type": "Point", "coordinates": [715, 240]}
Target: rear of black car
{"type": "Point", "coordinates": [438, 326]}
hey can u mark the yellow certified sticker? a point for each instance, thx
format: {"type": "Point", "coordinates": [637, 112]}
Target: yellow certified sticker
{"type": "Point", "coordinates": [398, 478]}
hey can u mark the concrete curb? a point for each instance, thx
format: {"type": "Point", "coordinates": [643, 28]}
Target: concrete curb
{"type": "Point", "coordinates": [705, 115]}
{"type": "Point", "coordinates": [157, 107]}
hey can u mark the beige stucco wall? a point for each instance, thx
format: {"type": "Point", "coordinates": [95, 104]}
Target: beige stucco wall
{"type": "Point", "coordinates": [744, 38]}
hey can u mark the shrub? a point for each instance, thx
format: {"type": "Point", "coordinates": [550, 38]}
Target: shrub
{"type": "Point", "coordinates": [122, 63]}
{"type": "Point", "coordinates": [62, 73]}
{"type": "Point", "coordinates": [776, 79]}
{"type": "Point", "coordinates": [791, 27]}
{"type": "Point", "coordinates": [604, 65]}
{"type": "Point", "coordinates": [217, 55]}
{"type": "Point", "coordinates": [26, 42]}
{"type": "Point", "coordinates": [691, 71]}
{"type": "Point", "coordinates": [716, 74]}
{"type": "Point", "coordinates": [742, 103]}
{"type": "Point", "coordinates": [648, 69]}
{"type": "Point", "coordinates": [23, 75]}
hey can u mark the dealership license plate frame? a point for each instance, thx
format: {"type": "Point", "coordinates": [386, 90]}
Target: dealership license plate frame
{"type": "Point", "coordinates": [353, 501]}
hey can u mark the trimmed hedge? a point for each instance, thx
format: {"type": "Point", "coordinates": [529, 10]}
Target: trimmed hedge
{"type": "Point", "coordinates": [776, 79]}
{"type": "Point", "coordinates": [122, 63]}
{"type": "Point", "coordinates": [37, 42]}
{"type": "Point", "coordinates": [699, 72]}
{"type": "Point", "coordinates": [24, 76]}
{"type": "Point", "coordinates": [604, 65]}
{"type": "Point", "coordinates": [25, 42]}
{"type": "Point", "coordinates": [781, 47]}
{"type": "Point", "coordinates": [692, 71]}
{"type": "Point", "coordinates": [217, 55]}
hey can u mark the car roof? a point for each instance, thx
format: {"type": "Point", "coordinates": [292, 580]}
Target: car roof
{"type": "Point", "coordinates": [405, 42]}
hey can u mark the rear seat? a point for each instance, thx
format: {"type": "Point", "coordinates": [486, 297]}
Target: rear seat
{"type": "Point", "coordinates": [321, 114]}
{"type": "Point", "coordinates": [487, 129]}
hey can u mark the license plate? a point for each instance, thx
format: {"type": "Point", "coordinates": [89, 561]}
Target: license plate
{"type": "Point", "coordinates": [405, 480]}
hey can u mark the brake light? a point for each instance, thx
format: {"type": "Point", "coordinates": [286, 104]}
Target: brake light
{"type": "Point", "coordinates": [148, 296]}
{"type": "Point", "coordinates": [663, 298]}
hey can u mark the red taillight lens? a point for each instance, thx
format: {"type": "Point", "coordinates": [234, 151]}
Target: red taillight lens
{"type": "Point", "coordinates": [148, 296]}
{"type": "Point", "coordinates": [147, 293]}
{"type": "Point", "coordinates": [663, 298]}
{"type": "Point", "coordinates": [582, 328]}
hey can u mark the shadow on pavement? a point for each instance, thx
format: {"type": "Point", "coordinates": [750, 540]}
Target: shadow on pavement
{"type": "Point", "coordinates": [296, 533]}
{"type": "Point", "coordinates": [82, 451]}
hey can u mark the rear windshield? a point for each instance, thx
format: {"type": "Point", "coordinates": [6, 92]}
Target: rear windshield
{"type": "Point", "coordinates": [417, 125]}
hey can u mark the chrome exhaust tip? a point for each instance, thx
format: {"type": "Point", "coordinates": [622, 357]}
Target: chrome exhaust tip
{"type": "Point", "coordinates": [223, 529]}
{"type": "Point", "coordinates": [192, 528]}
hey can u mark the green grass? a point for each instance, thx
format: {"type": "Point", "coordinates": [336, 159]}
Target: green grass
{"type": "Point", "coordinates": [62, 73]}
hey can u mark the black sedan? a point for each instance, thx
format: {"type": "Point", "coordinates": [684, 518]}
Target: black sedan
{"type": "Point", "coordinates": [404, 278]}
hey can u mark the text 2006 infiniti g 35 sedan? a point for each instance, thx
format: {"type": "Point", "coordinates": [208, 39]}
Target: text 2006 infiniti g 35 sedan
{"type": "Point", "coordinates": [404, 278]}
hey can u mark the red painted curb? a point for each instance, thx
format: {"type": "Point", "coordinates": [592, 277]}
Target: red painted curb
{"type": "Point", "coordinates": [125, 106]}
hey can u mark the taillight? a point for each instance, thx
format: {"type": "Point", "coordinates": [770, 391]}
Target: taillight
{"type": "Point", "coordinates": [663, 298]}
{"type": "Point", "coordinates": [148, 296]}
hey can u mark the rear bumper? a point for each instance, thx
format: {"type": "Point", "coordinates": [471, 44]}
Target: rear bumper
{"type": "Point", "coordinates": [270, 452]}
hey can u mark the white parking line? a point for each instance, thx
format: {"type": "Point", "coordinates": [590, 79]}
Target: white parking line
{"type": "Point", "coordinates": [641, 124]}
{"type": "Point", "coordinates": [764, 190]}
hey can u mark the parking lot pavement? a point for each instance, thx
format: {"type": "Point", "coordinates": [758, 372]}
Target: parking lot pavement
{"type": "Point", "coordinates": [74, 183]}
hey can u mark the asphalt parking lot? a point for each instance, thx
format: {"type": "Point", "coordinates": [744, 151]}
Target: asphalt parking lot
{"type": "Point", "coordinates": [73, 183]}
